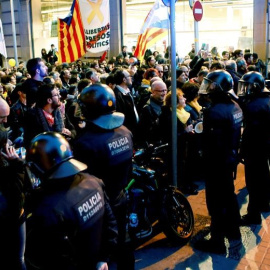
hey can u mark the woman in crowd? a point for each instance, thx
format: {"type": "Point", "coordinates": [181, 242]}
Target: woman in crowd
{"type": "Point", "coordinates": [184, 131]}
{"type": "Point", "coordinates": [44, 55]}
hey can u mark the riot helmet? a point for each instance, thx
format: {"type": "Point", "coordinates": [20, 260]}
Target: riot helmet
{"type": "Point", "coordinates": [216, 81]}
{"type": "Point", "coordinates": [98, 105]}
{"type": "Point", "coordinates": [50, 157]}
{"type": "Point", "coordinates": [251, 83]}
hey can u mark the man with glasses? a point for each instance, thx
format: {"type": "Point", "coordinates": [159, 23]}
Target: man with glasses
{"type": "Point", "coordinates": [148, 128]}
{"type": "Point", "coordinates": [45, 116]}
{"type": "Point", "coordinates": [159, 68]}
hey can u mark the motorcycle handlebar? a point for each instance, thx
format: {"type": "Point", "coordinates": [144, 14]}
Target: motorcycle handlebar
{"type": "Point", "coordinates": [151, 149]}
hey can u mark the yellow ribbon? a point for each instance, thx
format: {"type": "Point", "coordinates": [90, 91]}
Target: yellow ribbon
{"type": "Point", "coordinates": [95, 11]}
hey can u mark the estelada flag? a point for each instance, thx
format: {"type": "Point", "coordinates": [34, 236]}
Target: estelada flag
{"type": "Point", "coordinates": [155, 27]}
{"type": "Point", "coordinates": [71, 38]}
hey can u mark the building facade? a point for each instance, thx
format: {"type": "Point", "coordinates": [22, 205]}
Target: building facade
{"type": "Point", "coordinates": [241, 24]}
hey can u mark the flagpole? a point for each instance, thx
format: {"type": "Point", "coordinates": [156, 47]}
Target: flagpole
{"type": "Point", "coordinates": [173, 89]}
{"type": "Point", "coordinates": [14, 31]}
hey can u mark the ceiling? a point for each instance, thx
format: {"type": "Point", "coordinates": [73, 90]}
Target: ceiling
{"type": "Point", "coordinates": [51, 5]}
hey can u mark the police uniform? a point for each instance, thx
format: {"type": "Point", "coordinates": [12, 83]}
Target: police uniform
{"type": "Point", "coordinates": [255, 151]}
{"type": "Point", "coordinates": [72, 226]}
{"type": "Point", "coordinates": [108, 155]}
{"type": "Point", "coordinates": [221, 136]}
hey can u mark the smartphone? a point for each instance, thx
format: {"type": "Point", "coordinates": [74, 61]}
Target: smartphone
{"type": "Point", "coordinates": [203, 47]}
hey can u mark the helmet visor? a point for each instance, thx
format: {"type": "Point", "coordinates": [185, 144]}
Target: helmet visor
{"type": "Point", "coordinates": [205, 86]}
{"type": "Point", "coordinates": [243, 89]}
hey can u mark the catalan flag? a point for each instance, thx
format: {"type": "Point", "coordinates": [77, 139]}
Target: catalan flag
{"type": "Point", "coordinates": [155, 27]}
{"type": "Point", "coordinates": [71, 38]}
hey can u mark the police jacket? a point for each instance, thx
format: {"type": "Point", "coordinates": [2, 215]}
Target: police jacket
{"type": "Point", "coordinates": [108, 155]}
{"type": "Point", "coordinates": [222, 131]}
{"type": "Point", "coordinates": [256, 134]}
{"type": "Point", "coordinates": [11, 192]}
{"type": "Point", "coordinates": [11, 211]}
{"type": "Point", "coordinates": [72, 225]}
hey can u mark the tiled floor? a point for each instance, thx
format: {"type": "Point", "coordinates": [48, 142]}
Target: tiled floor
{"type": "Point", "coordinates": [157, 253]}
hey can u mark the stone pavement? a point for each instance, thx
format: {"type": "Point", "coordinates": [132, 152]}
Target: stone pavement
{"type": "Point", "coordinates": [252, 253]}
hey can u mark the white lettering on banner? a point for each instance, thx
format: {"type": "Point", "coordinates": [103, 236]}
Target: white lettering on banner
{"type": "Point", "coordinates": [198, 11]}
{"type": "Point", "coordinates": [96, 23]}
{"type": "Point", "coordinates": [89, 207]}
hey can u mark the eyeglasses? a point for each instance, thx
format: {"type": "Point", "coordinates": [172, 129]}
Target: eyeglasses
{"type": "Point", "coordinates": [161, 71]}
{"type": "Point", "coordinates": [161, 91]}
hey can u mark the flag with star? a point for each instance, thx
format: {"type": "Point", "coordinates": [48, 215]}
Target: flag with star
{"type": "Point", "coordinates": [96, 22]}
{"type": "Point", "coordinates": [155, 27]}
{"type": "Point", "coordinates": [71, 37]}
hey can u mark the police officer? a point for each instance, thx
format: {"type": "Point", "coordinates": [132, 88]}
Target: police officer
{"type": "Point", "coordinates": [255, 144]}
{"type": "Point", "coordinates": [221, 136]}
{"type": "Point", "coordinates": [72, 225]}
{"type": "Point", "coordinates": [106, 147]}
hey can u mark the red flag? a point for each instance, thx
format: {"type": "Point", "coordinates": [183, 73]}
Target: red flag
{"type": "Point", "coordinates": [103, 56]}
{"type": "Point", "coordinates": [71, 38]}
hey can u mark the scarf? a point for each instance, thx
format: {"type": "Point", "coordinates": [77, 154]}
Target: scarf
{"type": "Point", "coordinates": [49, 117]}
{"type": "Point", "coordinates": [194, 104]}
{"type": "Point", "coordinates": [145, 82]}
{"type": "Point", "coordinates": [182, 115]}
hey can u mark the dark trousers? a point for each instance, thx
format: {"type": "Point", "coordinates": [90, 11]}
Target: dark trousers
{"type": "Point", "coordinates": [257, 174]}
{"type": "Point", "coordinates": [221, 200]}
{"type": "Point", "coordinates": [12, 247]}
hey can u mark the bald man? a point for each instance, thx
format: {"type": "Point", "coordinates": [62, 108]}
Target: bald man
{"type": "Point", "coordinates": [4, 111]}
{"type": "Point", "coordinates": [148, 128]}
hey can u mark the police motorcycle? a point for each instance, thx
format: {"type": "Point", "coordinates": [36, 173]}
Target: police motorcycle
{"type": "Point", "coordinates": [151, 199]}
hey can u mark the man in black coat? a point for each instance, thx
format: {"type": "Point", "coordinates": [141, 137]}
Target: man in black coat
{"type": "Point", "coordinates": [124, 99]}
{"type": "Point", "coordinates": [256, 144]}
{"type": "Point", "coordinates": [221, 138]}
{"type": "Point", "coordinates": [45, 116]}
{"type": "Point", "coordinates": [148, 127]}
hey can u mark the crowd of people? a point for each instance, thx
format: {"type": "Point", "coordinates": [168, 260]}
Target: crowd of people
{"type": "Point", "coordinates": [80, 123]}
